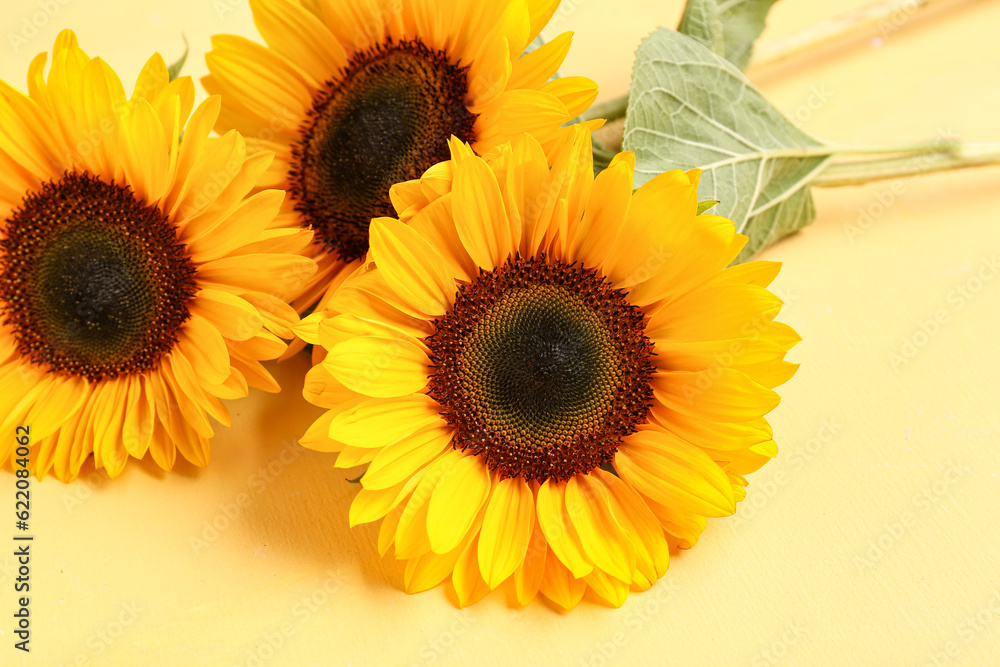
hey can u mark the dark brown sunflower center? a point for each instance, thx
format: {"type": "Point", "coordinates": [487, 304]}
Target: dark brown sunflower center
{"type": "Point", "coordinates": [93, 282]}
{"type": "Point", "coordinates": [542, 368]}
{"type": "Point", "coordinates": [383, 119]}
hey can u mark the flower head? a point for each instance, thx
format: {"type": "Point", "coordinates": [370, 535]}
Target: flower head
{"type": "Point", "coordinates": [139, 284]}
{"type": "Point", "coordinates": [356, 96]}
{"type": "Point", "coordinates": [551, 378]}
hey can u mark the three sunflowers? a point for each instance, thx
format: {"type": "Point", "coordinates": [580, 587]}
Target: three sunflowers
{"type": "Point", "coordinates": [553, 379]}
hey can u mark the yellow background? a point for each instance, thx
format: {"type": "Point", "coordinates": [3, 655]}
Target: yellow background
{"type": "Point", "coordinates": [872, 539]}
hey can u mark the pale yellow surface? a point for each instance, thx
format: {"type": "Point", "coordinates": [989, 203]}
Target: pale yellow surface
{"type": "Point", "coordinates": [871, 540]}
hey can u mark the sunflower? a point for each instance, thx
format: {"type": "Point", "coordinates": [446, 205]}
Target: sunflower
{"type": "Point", "coordinates": [354, 96]}
{"type": "Point", "coordinates": [139, 283]}
{"type": "Point", "coordinates": [552, 379]}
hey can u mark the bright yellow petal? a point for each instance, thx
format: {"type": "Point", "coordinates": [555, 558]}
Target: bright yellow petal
{"type": "Point", "coordinates": [378, 422]}
{"type": "Point", "coordinates": [559, 585]}
{"type": "Point", "coordinates": [299, 36]}
{"type": "Point", "coordinates": [401, 459]}
{"type": "Point", "coordinates": [528, 577]}
{"type": "Point", "coordinates": [534, 69]}
{"type": "Point", "coordinates": [373, 504]}
{"type": "Point", "coordinates": [379, 367]}
{"type": "Point", "coordinates": [724, 394]}
{"type": "Point", "coordinates": [480, 216]}
{"type": "Point", "coordinates": [411, 266]}
{"type": "Point", "coordinates": [506, 531]}
{"type": "Point", "coordinates": [232, 316]}
{"type": "Point", "coordinates": [557, 527]}
{"type": "Point", "coordinates": [468, 582]}
{"type": "Point", "coordinates": [461, 491]}
{"type": "Point", "coordinates": [673, 472]}
{"type": "Point", "coordinates": [641, 526]}
{"type": "Point", "coordinates": [603, 216]}
{"type": "Point", "coordinates": [611, 589]}
{"type": "Point", "coordinates": [601, 535]}
{"type": "Point", "coordinates": [716, 312]}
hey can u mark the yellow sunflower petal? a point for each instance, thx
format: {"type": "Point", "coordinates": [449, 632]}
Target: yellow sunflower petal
{"type": "Point", "coordinates": [682, 526]}
{"type": "Point", "coordinates": [387, 530]}
{"type": "Point", "coordinates": [411, 266]}
{"type": "Point", "coordinates": [436, 224]}
{"type": "Point", "coordinates": [601, 535]}
{"type": "Point", "coordinates": [108, 422]}
{"type": "Point", "coordinates": [468, 582]}
{"type": "Point", "coordinates": [352, 457]}
{"type": "Point", "coordinates": [528, 576]}
{"type": "Point", "coordinates": [723, 394]}
{"type": "Point", "coordinates": [533, 69]}
{"type": "Point", "coordinates": [380, 422]}
{"type": "Point", "coordinates": [232, 316]}
{"type": "Point", "coordinates": [541, 12]}
{"type": "Point", "coordinates": [264, 82]}
{"type": "Point", "coordinates": [461, 491]}
{"type": "Point", "coordinates": [699, 355]}
{"type": "Point", "coordinates": [411, 534]}
{"type": "Point", "coordinates": [395, 463]}
{"type": "Point", "coordinates": [481, 219]}
{"type": "Point", "coordinates": [641, 526]}
{"type": "Point", "coordinates": [374, 504]}
{"type": "Point", "coordinates": [597, 231]}
{"type": "Point", "coordinates": [555, 520]}
{"type": "Point", "coordinates": [758, 273]}
{"type": "Point", "coordinates": [716, 312]}
{"type": "Point", "coordinates": [506, 531]}
{"type": "Point", "coordinates": [60, 400]}
{"type": "Point", "coordinates": [299, 36]}
{"type": "Point", "coordinates": [576, 93]}
{"type": "Point", "coordinates": [559, 585]}
{"type": "Point", "coordinates": [427, 571]}
{"type": "Point", "coordinates": [611, 589]}
{"type": "Point", "coordinates": [322, 389]}
{"type": "Point", "coordinates": [673, 472]}
{"type": "Point", "coordinates": [379, 367]}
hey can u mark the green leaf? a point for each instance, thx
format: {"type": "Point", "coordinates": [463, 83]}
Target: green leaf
{"type": "Point", "coordinates": [690, 108]}
{"type": "Point", "coordinates": [356, 480]}
{"type": "Point", "coordinates": [705, 205]}
{"type": "Point", "coordinates": [175, 68]}
{"type": "Point", "coordinates": [727, 27]}
{"type": "Point", "coordinates": [701, 21]}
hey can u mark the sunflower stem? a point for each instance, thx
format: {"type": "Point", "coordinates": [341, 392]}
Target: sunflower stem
{"type": "Point", "coordinates": [602, 155]}
{"type": "Point", "coordinates": [893, 13]}
{"type": "Point", "coordinates": [609, 110]}
{"type": "Point", "coordinates": [949, 155]}
{"type": "Point", "coordinates": [767, 53]}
